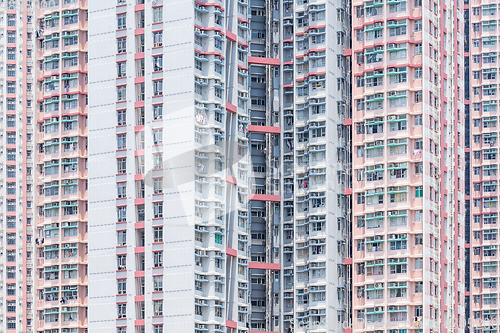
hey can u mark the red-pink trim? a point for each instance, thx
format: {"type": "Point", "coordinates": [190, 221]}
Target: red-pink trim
{"type": "Point", "coordinates": [231, 180]}
{"type": "Point", "coordinates": [231, 108]}
{"type": "Point", "coordinates": [264, 265]}
{"type": "Point", "coordinates": [231, 324]}
{"type": "Point", "coordinates": [264, 129]}
{"type": "Point", "coordinates": [263, 61]}
{"type": "Point", "coordinates": [264, 197]}
{"type": "Point", "coordinates": [231, 252]}
{"type": "Point", "coordinates": [231, 36]}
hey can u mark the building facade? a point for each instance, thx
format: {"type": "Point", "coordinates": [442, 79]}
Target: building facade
{"type": "Point", "coordinates": [408, 166]}
{"type": "Point", "coordinates": [300, 155]}
{"type": "Point", "coordinates": [484, 273]}
{"type": "Point", "coordinates": [61, 234]}
{"type": "Point", "coordinates": [168, 167]}
{"type": "Point", "coordinates": [234, 188]}
{"type": "Point", "coordinates": [17, 83]}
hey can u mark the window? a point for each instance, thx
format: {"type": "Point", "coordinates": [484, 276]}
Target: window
{"type": "Point", "coordinates": [158, 136]}
{"type": "Point", "coordinates": [121, 213]}
{"type": "Point", "coordinates": [158, 258]}
{"type": "Point", "coordinates": [158, 209]}
{"type": "Point", "coordinates": [157, 14]}
{"type": "Point", "coordinates": [158, 88]}
{"type": "Point", "coordinates": [397, 265]}
{"type": "Point", "coordinates": [157, 63]}
{"type": "Point", "coordinates": [418, 97]}
{"type": "Point", "coordinates": [418, 49]}
{"type": "Point", "coordinates": [122, 286]}
{"type": "Point", "coordinates": [122, 21]}
{"type": "Point", "coordinates": [418, 25]}
{"type": "Point", "coordinates": [419, 263]}
{"type": "Point", "coordinates": [158, 111]}
{"type": "Point", "coordinates": [158, 161]}
{"type": "Point", "coordinates": [121, 237]}
{"type": "Point", "coordinates": [419, 191]}
{"type": "Point", "coordinates": [418, 120]}
{"type": "Point", "coordinates": [121, 45]}
{"type": "Point", "coordinates": [158, 185]}
{"type": "Point", "coordinates": [158, 283]}
{"type": "Point", "coordinates": [121, 141]}
{"type": "Point", "coordinates": [158, 234]}
{"type": "Point", "coordinates": [121, 68]}
{"type": "Point", "coordinates": [121, 165]}
{"type": "Point", "coordinates": [121, 117]}
{"type": "Point", "coordinates": [396, 28]}
{"type": "Point", "coordinates": [418, 73]}
{"type": "Point", "coordinates": [121, 93]}
{"type": "Point", "coordinates": [158, 308]}
{"type": "Point", "coordinates": [158, 38]}
{"type": "Point", "coordinates": [122, 310]}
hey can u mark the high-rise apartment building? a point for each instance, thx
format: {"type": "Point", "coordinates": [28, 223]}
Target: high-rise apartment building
{"type": "Point", "coordinates": [300, 154]}
{"type": "Point", "coordinates": [408, 166]}
{"type": "Point", "coordinates": [221, 195]}
{"type": "Point", "coordinates": [484, 79]}
{"type": "Point", "coordinates": [184, 232]}
{"type": "Point", "coordinates": [168, 167]}
{"type": "Point", "coordinates": [61, 31]}
{"type": "Point", "coordinates": [17, 82]}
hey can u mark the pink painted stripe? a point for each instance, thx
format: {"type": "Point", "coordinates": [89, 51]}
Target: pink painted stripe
{"type": "Point", "coordinates": [230, 107]}
{"type": "Point", "coordinates": [138, 56]}
{"type": "Point", "coordinates": [263, 129]}
{"type": "Point", "coordinates": [139, 201]}
{"type": "Point", "coordinates": [231, 252]}
{"type": "Point", "coordinates": [231, 324]}
{"type": "Point", "coordinates": [264, 197]}
{"type": "Point", "coordinates": [263, 61]}
{"type": "Point", "coordinates": [231, 180]}
{"type": "Point", "coordinates": [230, 36]}
{"type": "Point", "coordinates": [264, 265]}
{"type": "Point", "coordinates": [139, 249]}
{"type": "Point", "coordinates": [348, 122]}
{"type": "Point", "coordinates": [348, 52]}
{"type": "Point", "coordinates": [347, 261]}
{"type": "Point", "coordinates": [347, 191]}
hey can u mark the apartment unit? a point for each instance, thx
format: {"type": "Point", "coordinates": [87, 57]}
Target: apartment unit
{"type": "Point", "coordinates": [17, 76]}
{"type": "Point", "coordinates": [409, 166]}
{"type": "Point", "coordinates": [300, 153]}
{"type": "Point", "coordinates": [168, 167]}
{"type": "Point", "coordinates": [61, 228]}
{"type": "Point", "coordinates": [484, 79]}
